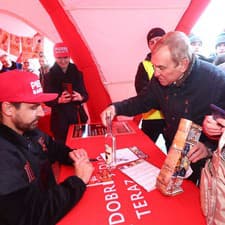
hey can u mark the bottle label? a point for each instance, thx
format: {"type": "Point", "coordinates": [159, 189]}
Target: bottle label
{"type": "Point", "coordinates": [108, 154]}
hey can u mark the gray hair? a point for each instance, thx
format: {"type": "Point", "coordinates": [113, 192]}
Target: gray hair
{"type": "Point", "coordinates": [178, 44]}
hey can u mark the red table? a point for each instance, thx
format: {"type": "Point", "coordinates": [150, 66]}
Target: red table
{"type": "Point", "coordinates": [125, 202]}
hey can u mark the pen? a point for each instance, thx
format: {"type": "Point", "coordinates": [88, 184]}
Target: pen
{"type": "Point", "coordinates": [93, 160]}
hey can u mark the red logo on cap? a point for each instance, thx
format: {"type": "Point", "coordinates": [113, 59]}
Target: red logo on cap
{"type": "Point", "coordinates": [36, 87]}
{"type": "Point", "coordinates": [59, 50]}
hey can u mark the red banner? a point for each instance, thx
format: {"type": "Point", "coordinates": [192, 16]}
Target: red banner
{"type": "Point", "coordinates": [38, 45]}
{"type": "Point", "coordinates": [4, 40]}
{"type": "Point", "coordinates": [27, 44]}
{"type": "Point", "coordinates": [15, 44]}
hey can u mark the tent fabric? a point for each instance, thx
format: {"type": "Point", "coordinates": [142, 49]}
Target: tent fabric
{"type": "Point", "coordinates": [99, 97]}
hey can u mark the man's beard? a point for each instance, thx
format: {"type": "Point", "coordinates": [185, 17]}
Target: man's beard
{"type": "Point", "coordinates": [25, 126]}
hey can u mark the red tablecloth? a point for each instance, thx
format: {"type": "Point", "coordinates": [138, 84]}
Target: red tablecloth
{"type": "Point", "coordinates": [125, 202]}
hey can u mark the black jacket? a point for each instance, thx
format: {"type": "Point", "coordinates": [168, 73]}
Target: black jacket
{"type": "Point", "coordinates": [63, 115]}
{"type": "Point", "coordinates": [53, 82]}
{"type": "Point", "coordinates": [29, 194]}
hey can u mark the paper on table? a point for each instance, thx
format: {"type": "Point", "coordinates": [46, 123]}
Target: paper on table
{"type": "Point", "coordinates": [143, 173]}
{"type": "Point", "coordinates": [101, 177]}
{"type": "Point", "coordinates": [123, 155]}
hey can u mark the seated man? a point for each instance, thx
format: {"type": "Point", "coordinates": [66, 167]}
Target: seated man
{"type": "Point", "coordinates": [29, 193]}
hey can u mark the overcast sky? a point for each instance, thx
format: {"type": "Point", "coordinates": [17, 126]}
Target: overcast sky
{"type": "Point", "coordinates": [210, 24]}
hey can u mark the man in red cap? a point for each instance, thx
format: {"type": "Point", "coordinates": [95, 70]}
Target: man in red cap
{"type": "Point", "coordinates": [65, 79]}
{"type": "Point", "coordinates": [29, 193]}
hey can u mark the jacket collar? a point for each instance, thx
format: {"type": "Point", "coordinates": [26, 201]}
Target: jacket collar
{"type": "Point", "coordinates": [13, 137]}
{"type": "Point", "coordinates": [186, 74]}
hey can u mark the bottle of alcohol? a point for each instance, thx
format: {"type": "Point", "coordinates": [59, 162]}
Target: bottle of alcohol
{"type": "Point", "coordinates": [110, 143]}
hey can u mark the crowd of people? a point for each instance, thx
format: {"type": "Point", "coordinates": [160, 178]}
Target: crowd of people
{"type": "Point", "coordinates": [175, 81]}
{"type": "Point", "coordinates": [216, 57]}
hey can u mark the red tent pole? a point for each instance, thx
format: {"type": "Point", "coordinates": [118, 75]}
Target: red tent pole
{"type": "Point", "coordinates": [191, 15]}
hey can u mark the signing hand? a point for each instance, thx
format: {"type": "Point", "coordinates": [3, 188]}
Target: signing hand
{"type": "Point", "coordinates": [82, 165]}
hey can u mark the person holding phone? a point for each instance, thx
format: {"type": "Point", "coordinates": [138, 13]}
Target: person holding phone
{"type": "Point", "coordinates": [65, 79]}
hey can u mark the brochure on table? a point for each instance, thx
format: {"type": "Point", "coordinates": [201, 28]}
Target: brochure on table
{"type": "Point", "coordinates": [131, 161]}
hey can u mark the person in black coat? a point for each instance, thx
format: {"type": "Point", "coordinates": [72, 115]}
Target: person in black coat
{"type": "Point", "coordinates": [65, 79]}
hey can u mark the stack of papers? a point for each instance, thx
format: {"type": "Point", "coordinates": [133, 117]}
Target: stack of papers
{"type": "Point", "coordinates": [142, 172]}
{"type": "Point", "coordinates": [132, 163]}
{"type": "Point", "coordinates": [101, 177]}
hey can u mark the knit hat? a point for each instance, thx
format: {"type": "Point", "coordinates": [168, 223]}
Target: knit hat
{"type": "Point", "coordinates": [220, 39]}
{"type": "Point", "coordinates": [155, 32]}
{"type": "Point", "coordinates": [61, 50]}
{"type": "Point", "coordinates": [194, 38]}
{"type": "Point", "coordinates": [21, 86]}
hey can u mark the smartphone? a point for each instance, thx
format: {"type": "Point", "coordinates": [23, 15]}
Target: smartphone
{"type": "Point", "coordinates": [68, 87]}
{"type": "Point", "coordinates": [217, 112]}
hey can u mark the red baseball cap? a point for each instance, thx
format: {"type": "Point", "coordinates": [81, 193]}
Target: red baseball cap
{"type": "Point", "coordinates": [61, 50]}
{"type": "Point", "coordinates": [21, 86]}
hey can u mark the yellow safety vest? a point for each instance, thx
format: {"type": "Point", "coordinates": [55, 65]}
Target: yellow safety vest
{"type": "Point", "coordinates": [153, 114]}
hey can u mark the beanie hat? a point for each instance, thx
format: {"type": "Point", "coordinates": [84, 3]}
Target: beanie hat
{"type": "Point", "coordinates": [61, 50]}
{"type": "Point", "coordinates": [155, 32]}
{"type": "Point", "coordinates": [220, 39]}
{"type": "Point", "coordinates": [21, 86]}
{"type": "Point", "coordinates": [194, 38]}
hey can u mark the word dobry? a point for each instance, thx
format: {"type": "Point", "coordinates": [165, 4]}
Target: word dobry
{"type": "Point", "coordinates": [113, 205]}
